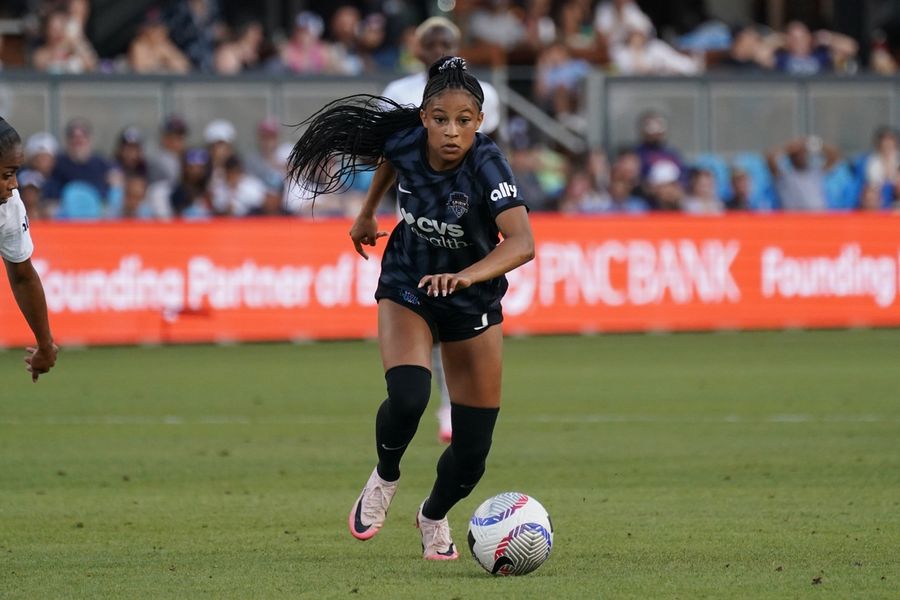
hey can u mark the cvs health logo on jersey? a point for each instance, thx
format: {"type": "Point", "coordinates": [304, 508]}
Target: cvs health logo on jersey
{"type": "Point", "coordinates": [435, 232]}
{"type": "Point", "coordinates": [504, 190]}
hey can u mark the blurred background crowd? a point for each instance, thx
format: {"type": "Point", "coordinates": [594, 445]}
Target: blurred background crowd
{"type": "Point", "coordinates": [159, 175]}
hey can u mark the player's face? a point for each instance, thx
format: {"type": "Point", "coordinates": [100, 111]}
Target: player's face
{"type": "Point", "coordinates": [451, 118]}
{"type": "Point", "coordinates": [10, 162]}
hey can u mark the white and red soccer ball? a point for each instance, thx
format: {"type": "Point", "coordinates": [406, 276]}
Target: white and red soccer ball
{"type": "Point", "coordinates": [510, 534]}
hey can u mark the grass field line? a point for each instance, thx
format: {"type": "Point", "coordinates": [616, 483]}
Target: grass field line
{"type": "Point", "coordinates": [596, 418]}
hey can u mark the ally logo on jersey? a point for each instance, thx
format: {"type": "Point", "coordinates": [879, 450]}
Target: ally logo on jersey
{"type": "Point", "coordinates": [435, 232]}
{"type": "Point", "coordinates": [504, 190]}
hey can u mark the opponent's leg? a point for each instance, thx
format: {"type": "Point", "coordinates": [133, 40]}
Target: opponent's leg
{"type": "Point", "coordinates": [405, 341]}
{"type": "Point", "coordinates": [445, 423]}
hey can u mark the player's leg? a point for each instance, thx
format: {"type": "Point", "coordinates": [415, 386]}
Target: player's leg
{"type": "Point", "coordinates": [473, 368]}
{"type": "Point", "coordinates": [445, 424]}
{"type": "Point", "coordinates": [405, 340]}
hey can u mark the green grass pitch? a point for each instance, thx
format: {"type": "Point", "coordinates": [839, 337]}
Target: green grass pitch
{"type": "Point", "coordinates": [734, 465]}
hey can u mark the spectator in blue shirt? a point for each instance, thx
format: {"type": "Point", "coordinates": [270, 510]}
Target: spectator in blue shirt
{"type": "Point", "coordinates": [79, 162]}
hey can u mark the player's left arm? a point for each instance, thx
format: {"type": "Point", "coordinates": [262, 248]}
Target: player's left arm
{"type": "Point", "coordinates": [517, 248]}
{"type": "Point", "coordinates": [29, 294]}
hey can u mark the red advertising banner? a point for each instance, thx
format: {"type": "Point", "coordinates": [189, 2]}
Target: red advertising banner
{"type": "Point", "coordinates": [286, 279]}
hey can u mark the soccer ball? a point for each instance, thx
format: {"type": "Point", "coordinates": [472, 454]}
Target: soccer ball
{"type": "Point", "coordinates": [510, 534]}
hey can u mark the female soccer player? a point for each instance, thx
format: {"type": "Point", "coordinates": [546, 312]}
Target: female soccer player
{"type": "Point", "coordinates": [442, 273]}
{"type": "Point", "coordinates": [436, 37]}
{"type": "Point", "coordinates": [16, 248]}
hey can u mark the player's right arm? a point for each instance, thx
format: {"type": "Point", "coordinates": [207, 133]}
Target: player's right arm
{"type": "Point", "coordinates": [29, 294]}
{"type": "Point", "coordinates": [365, 228]}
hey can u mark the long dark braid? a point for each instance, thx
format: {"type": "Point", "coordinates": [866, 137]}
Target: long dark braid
{"type": "Point", "coordinates": [9, 137]}
{"type": "Point", "coordinates": [348, 135]}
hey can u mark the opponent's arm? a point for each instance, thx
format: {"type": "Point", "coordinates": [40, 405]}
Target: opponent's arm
{"type": "Point", "coordinates": [29, 294]}
{"type": "Point", "coordinates": [365, 227]}
{"type": "Point", "coordinates": [516, 249]}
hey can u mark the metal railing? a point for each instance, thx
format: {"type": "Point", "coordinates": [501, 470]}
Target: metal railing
{"type": "Point", "coordinates": [723, 114]}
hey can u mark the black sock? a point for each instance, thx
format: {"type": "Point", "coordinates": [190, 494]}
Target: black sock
{"type": "Point", "coordinates": [462, 464]}
{"type": "Point", "coordinates": [409, 387]}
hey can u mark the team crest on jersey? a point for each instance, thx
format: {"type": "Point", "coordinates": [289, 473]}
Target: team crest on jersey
{"type": "Point", "coordinates": [458, 203]}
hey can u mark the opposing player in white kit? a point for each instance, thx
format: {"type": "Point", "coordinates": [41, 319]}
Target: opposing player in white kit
{"type": "Point", "coordinates": [436, 37]}
{"type": "Point", "coordinates": [16, 248]}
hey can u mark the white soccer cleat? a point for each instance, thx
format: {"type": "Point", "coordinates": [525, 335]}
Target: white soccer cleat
{"type": "Point", "coordinates": [370, 509]}
{"type": "Point", "coordinates": [436, 541]}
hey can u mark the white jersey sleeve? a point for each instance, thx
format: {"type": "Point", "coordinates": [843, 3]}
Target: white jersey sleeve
{"type": "Point", "coordinates": [490, 108]}
{"type": "Point", "coordinates": [15, 239]}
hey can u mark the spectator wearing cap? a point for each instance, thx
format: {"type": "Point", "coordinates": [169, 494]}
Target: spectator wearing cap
{"type": "Point", "coordinates": [264, 162]}
{"type": "Point", "coordinates": [237, 193]}
{"type": "Point", "coordinates": [151, 50]}
{"type": "Point", "coordinates": [79, 162]}
{"type": "Point", "coordinates": [190, 196]}
{"type": "Point", "coordinates": [164, 162]}
{"type": "Point", "coordinates": [305, 52]}
{"type": "Point", "coordinates": [40, 159]}
{"type": "Point", "coordinates": [129, 152]}
{"type": "Point", "coordinates": [31, 183]}
{"type": "Point", "coordinates": [40, 153]}
{"type": "Point", "coordinates": [219, 136]}
{"type": "Point", "coordinates": [653, 130]}
{"type": "Point", "coordinates": [664, 186]}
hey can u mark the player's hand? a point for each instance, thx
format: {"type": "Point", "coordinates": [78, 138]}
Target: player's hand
{"type": "Point", "coordinates": [365, 231]}
{"type": "Point", "coordinates": [444, 284]}
{"type": "Point", "coordinates": [40, 360]}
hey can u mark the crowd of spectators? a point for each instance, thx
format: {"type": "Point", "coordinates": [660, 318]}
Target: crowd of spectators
{"type": "Point", "coordinates": [176, 36]}
{"type": "Point", "coordinates": [164, 178]}
{"type": "Point", "coordinates": [157, 176]}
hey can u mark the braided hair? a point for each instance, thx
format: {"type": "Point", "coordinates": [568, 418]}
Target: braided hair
{"type": "Point", "coordinates": [9, 137]}
{"type": "Point", "coordinates": [348, 135]}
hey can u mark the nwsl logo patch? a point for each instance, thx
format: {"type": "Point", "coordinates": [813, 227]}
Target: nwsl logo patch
{"type": "Point", "coordinates": [458, 203]}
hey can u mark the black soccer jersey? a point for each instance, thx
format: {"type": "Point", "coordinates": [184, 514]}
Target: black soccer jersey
{"type": "Point", "coordinates": [447, 218]}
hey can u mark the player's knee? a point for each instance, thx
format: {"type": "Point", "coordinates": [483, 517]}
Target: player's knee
{"type": "Point", "coordinates": [409, 387]}
{"type": "Point", "coordinates": [471, 455]}
{"type": "Point", "coordinates": [473, 429]}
